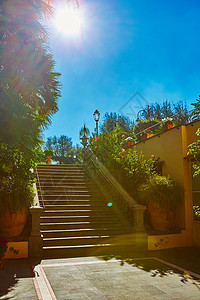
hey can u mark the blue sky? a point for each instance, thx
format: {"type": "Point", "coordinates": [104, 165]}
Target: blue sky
{"type": "Point", "coordinates": [149, 47]}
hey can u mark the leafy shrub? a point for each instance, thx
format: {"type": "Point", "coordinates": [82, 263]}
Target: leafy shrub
{"type": "Point", "coordinates": [194, 149]}
{"type": "Point", "coordinates": [151, 125]}
{"type": "Point", "coordinates": [48, 152]}
{"type": "Point", "coordinates": [16, 179]}
{"type": "Point", "coordinates": [162, 190]}
{"type": "Point", "coordinates": [129, 167]}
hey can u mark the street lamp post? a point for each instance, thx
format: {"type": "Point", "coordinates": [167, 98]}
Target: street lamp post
{"type": "Point", "coordinates": [96, 116]}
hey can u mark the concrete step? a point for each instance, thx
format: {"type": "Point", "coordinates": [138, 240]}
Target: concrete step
{"type": "Point", "coordinates": [57, 191]}
{"type": "Point", "coordinates": [56, 202]}
{"type": "Point", "coordinates": [62, 178]}
{"type": "Point", "coordinates": [76, 220]}
{"type": "Point", "coordinates": [72, 241]}
{"type": "Point", "coordinates": [74, 196]}
{"type": "Point", "coordinates": [61, 181]}
{"type": "Point", "coordinates": [95, 205]}
{"type": "Point", "coordinates": [79, 212]}
{"type": "Point", "coordinates": [60, 167]}
{"type": "Point", "coordinates": [79, 225]}
{"type": "Point", "coordinates": [63, 219]}
{"type": "Point", "coordinates": [61, 186]}
{"type": "Point", "coordinates": [81, 232]}
{"type": "Point", "coordinates": [48, 188]}
{"type": "Point", "coordinates": [61, 174]}
{"type": "Point", "coordinates": [70, 199]}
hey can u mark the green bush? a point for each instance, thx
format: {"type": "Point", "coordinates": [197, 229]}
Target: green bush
{"type": "Point", "coordinates": [194, 150]}
{"type": "Point", "coordinates": [129, 166]}
{"type": "Point", "coordinates": [48, 152]}
{"type": "Point", "coordinates": [140, 127]}
{"type": "Point", "coordinates": [16, 179]}
{"type": "Point", "coordinates": [162, 190]}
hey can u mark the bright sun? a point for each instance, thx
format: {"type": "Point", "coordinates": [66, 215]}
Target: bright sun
{"type": "Point", "coordinates": [68, 20]}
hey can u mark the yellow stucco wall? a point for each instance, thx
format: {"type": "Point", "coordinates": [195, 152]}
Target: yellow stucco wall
{"type": "Point", "coordinates": [17, 250]}
{"type": "Point", "coordinates": [172, 147]}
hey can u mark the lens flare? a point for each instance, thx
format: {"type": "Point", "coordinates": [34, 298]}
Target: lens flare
{"type": "Point", "coordinates": [68, 20]}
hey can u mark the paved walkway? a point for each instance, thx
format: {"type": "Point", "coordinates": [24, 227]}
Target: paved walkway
{"type": "Point", "coordinates": [168, 274]}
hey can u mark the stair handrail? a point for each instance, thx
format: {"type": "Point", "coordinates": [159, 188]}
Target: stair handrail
{"type": "Point", "coordinates": [133, 208]}
{"type": "Point", "coordinates": [38, 180]}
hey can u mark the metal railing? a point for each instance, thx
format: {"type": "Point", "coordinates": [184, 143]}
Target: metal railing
{"type": "Point", "coordinates": [38, 180]}
{"type": "Point", "coordinates": [111, 187]}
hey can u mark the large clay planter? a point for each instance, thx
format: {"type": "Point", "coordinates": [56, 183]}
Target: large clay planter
{"type": "Point", "coordinates": [161, 219]}
{"type": "Point", "coordinates": [130, 143]}
{"type": "Point", "coordinates": [167, 126]}
{"type": "Point", "coordinates": [49, 161]}
{"type": "Point", "coordinates": [146, 135]}
{"type": "Point", "coordinates": [11, 225]}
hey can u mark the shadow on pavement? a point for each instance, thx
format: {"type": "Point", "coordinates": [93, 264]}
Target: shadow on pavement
{"type": "Point", "coordinates": [186, 258]}
{"type": "Point", "coordinates": [13, 271]}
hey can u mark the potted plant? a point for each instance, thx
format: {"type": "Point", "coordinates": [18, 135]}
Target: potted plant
{"type": "Point", "coordinates": [3, 249]}
{"type": "Point", "coordinates": [162, 196]}
{"type": "Point", "coordinates": [129, 142]}
{"type": "Point", "coordinates": [146, 133]}
{"type": "Point", "coordinates": [48, 153]}
{"type": "Point", "coordinates": [16, 190]}
{"type": "Point", "coordinates": [166, 124]}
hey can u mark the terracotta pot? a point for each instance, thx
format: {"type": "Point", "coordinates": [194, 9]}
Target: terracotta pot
{"type": "Point", "coordinates": [12, 224]}
{"type": "Point", "coordinates": [167, 126]}
{"type": "Point", "coordinates": [130, 143]}
{"type": "Point", "coordinates": [1, 264]}
{"type": "Point", "coordinates": [161, 219]}
{"type": "Point", "coordinates": [49, 161]}
{"type": "Point", "coordinates": [146, 135]}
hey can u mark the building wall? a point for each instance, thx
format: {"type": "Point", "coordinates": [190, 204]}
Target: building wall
{"type": "Point", "coordinates": [172, 147]}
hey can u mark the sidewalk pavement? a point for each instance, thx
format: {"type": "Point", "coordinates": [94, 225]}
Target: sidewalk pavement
{"type": "Point", "coordinates": [165, 274]}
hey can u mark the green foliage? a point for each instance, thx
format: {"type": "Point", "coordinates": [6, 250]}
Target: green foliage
{"type": "Point", "coordinates": [157, 111]}
{"type": "Point", "coordinates": [196, 210]}
{"type": "Point", "coordinates": [194, 149]}
{"type": "Point", "coordinates": [84, 131]}
{"type": "Point", "coordinates": [196, 112]}
{"type": "Point", "coordinates": [63, 150]}
{"type": "Point", "coordinates": [129, 167]}
{"type": "Point", "coordinates": [111, 121]}
{"type": "Point", "coordinates": [16, 179]}
{"type": "Point", "coordinates": [59, 145]}
{"type": "Point", "coordinates": [162, 190]}
{"type": "Point", "coordinates": [48, 152]}
{"type": "Point", "coordinates": [167, 121]}
{"type": "Point", "coordinates": [27, 66]}
{"type": "Point", "coordinates": [150, 125]}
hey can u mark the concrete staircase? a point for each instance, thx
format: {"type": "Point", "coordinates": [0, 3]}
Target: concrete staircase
{"type": "Point", "coordinates": [76, 220]}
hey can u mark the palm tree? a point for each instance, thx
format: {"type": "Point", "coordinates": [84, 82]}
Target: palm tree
{"type": "Point", "coordinates": [29, 86]}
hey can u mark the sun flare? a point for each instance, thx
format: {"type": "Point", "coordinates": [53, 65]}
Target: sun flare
{"type": "Point", "coordinates": [68, 20]}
